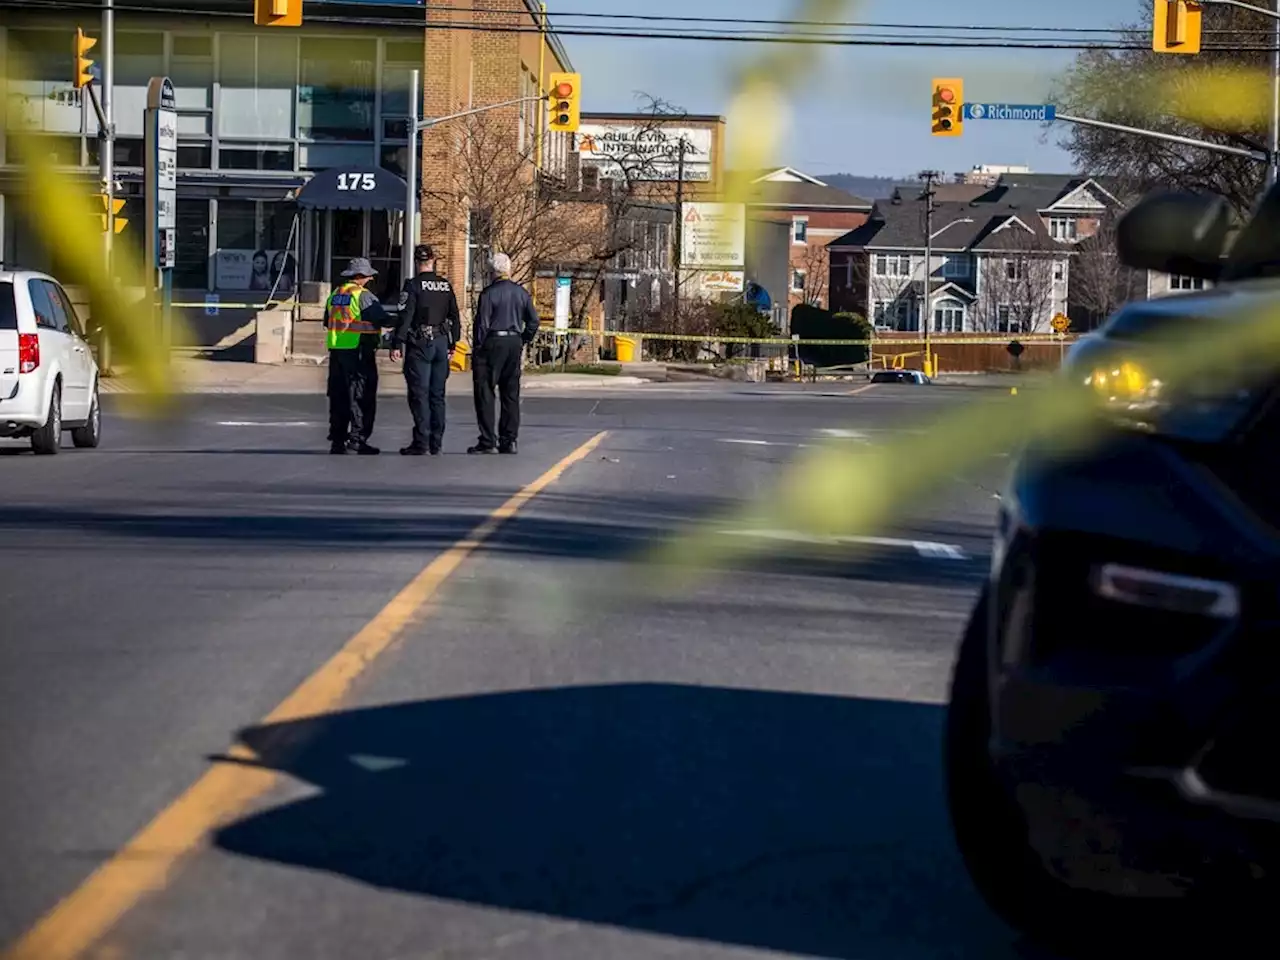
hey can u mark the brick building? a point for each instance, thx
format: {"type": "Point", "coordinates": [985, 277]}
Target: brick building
{"type": "Point", "coordinates": [817, 214]}
{"type": "Point", "coordinates": [469, 67]}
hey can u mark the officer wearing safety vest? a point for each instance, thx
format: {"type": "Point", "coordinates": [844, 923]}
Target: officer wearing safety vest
{"type": "Point", "coordinates": [430, 328]}
{"type": "Point", "coordinates": [352, 316]}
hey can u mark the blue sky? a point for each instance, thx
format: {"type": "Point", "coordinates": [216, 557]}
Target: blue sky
{"type": "Point", "coordinates": [866, 110]}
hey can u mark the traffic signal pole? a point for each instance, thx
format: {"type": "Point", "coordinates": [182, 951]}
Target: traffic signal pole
{"type": "Point", "coordinates": [416, 126]}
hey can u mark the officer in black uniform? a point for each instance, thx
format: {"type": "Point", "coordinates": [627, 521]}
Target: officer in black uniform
{"type": "Point", "coordinates": [429, 330]}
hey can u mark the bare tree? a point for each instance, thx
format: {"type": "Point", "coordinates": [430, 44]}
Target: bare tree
{"type": "Point", "coordinates": [495, 186]}
{"type": "Point", "coordinates": [1017, 288]}
{"type": "Point", "coordinates": [636, 184]}
{"type": "Point", "coordinates": [897, 293]}
{"type": "Point", "coordinates": [1100, 283]}
{"type": "Point", "coordinates": [816, 264]}
{"type": "Point", "coordinates": [1142, 89]}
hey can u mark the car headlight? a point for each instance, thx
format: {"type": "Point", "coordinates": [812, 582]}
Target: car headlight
{"type": "Point", "coordinates": [1201, 408]}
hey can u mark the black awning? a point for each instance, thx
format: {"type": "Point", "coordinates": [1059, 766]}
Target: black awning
{"type": "Point", "coordinates": [353, 188]}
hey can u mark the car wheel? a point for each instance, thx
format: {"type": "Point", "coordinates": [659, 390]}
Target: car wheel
{"type": "Point", "coordinates": [988, 825]}
{"type": "Point", "coordinates": [90, 435]}
{"type": "Point", "coordinates": [48, 439]}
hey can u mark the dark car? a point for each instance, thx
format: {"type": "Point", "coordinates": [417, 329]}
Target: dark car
{"type": "Point", "coordinates": [913, 377]}
{"type": "Point", "coordinates": [1112, 748]}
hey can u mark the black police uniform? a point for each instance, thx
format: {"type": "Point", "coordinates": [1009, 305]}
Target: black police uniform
{"type": "Point", "coordinates": [430, 327]}
{"type": "Point", "coordinates": [506, 322]}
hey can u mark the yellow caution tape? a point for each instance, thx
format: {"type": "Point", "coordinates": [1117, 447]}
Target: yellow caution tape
{"type": "Point", "coordinates": [886, 345]}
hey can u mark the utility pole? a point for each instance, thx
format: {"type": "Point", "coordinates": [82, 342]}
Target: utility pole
{"type": "Point", "coordinates": [928, 176]}
{"type": "Point", "coordinates": [680, 226]}
{"type": "Point", "coordinates": [107, 151]}
{"type": "Point", "coordinates": [1273, 165]}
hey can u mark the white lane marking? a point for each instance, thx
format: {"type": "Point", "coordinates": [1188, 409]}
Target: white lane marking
{"type": "Point", "coordinates": [760, 443]}
{"type": "Point", "coordinates": [926, 548]}
{"type": "Point", "coordinates": [269, 423]}
{"type": "Point", "coordinates": [845, 434]}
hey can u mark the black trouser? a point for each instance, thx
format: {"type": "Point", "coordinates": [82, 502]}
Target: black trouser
{"type": "Point", "coordinates": [347, 375]}
{"type": "Point", "coordinates": [497, 364]}
{"type": "Point", "coordinates": [353, 392]}
{"type": "Point", "coordinates": [426, 368]}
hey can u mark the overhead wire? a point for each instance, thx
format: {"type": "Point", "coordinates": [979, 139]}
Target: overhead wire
{"type": "Point", "coordinates": [941, 35]}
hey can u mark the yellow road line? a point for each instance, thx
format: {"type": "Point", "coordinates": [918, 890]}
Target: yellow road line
{"type": "Point", "coordinates": [858, 390]}
{"type": "Point", "coordinates": [144, 864]}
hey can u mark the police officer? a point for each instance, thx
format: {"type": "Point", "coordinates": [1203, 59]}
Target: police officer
{"type": "Point", "coordinates": [506, 322]}
{"type": "Point", "coordinates": [352, 316]}
{"type": "Point", "coordinates": [429, 330]}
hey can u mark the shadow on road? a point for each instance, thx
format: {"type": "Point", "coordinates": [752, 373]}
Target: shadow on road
{"type": "Point", "coordinates": [600, 528]}
{"type": "Point", "coordinates": [807, 824]}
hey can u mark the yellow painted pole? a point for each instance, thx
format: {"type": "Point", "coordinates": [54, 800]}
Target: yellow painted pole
{"type": "Point", "coordinates": [542, 72]}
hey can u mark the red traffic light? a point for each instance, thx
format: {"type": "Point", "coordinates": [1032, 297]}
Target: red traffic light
{"type": "Point", "coordinates": [946, 95]}
{"type": "Point", "coordinates": [564, 89]}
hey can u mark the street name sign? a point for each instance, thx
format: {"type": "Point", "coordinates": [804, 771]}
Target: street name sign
{"type": "Point", "coordinates": [1041, 112]}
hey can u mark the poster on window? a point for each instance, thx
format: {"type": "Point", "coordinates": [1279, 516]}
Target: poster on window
{"type": "Point", "coordinates": [257, 270]}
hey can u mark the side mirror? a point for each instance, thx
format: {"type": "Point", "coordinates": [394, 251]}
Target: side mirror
{"type": "Point", "coordinates": [1176, 233]}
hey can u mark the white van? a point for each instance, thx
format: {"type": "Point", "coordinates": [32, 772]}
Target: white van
{"type": "Point", "coordinates": [48, 376]}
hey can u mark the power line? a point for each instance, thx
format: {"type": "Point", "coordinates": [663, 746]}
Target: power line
{"type": "Point", "coordinates": [784, 39]}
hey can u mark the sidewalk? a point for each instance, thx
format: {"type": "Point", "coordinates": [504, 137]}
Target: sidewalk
{"type": "Point", "coordinates": [219, 376]}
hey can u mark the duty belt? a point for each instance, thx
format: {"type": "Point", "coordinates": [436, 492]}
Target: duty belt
{"type": "Point", "coordinates": [503, 333]}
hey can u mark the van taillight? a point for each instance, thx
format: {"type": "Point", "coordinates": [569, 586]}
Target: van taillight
{"type": "Point", "coordinates": [28, 352]}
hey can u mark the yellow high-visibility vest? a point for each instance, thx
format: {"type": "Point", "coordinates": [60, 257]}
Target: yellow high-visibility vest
{"type": "Point", "coordinates": [342, 318]}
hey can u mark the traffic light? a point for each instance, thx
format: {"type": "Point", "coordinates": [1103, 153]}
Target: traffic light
{"type": "Point", "coordinates": [566, 102]}
{"type": "Point", "coordinates": [277, 13]}
{"type": "Point", "coordinates": [83, 64]}
{"type": "Point", "coordinates": [116, 205]}
{"type": "Point", "coordinates": [948, 103]}
{"type": "Point", "coordinates": [1176, 26]}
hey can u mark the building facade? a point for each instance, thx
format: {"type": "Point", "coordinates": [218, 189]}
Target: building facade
{"type": "Point", "coordinates": [1003, 256]}
{"type": "Point", "coordinates": [261, 111]}
{"type": "Point", "coordinates": [816, 214]}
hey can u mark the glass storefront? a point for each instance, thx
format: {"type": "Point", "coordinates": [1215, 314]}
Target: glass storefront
{"type": "Point", "coordinates": [257, 112]}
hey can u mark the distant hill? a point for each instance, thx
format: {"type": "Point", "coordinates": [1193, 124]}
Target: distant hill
{"type": "Point", "coordinates": [869, 188]}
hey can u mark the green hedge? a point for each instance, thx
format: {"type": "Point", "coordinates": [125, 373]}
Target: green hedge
{"type": "Point", "coordinates": [814, 323]}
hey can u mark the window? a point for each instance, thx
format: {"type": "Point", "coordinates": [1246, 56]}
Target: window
{"type": "Point", "coordinates": [252, 236]}
{"type": "Point", "coordinates": [395, 159]}
{"type": "Point", "coordinates": [893, 265]}
{"type": "Point", "coordinates": [399, 58]}
{"type": "Point", "coordinates": [1013, 317]}
{"type": "Point", "coordinates": [46, 317]}
{"type": "Point", "coordinates": [797, 281]}
{"type": "Point", "coordinates": [191, 260]}
{"type": "Point", "coordinates": [192, 71]}
{"type": "Point", "coordinates": [322, 156]}
{"type": "Point", "coordinates": [955, 266]}
{"type": "Point", "coordinates": [336, 91]}
{"type": "Point", "coordinates": [139, 57]}
{"type": "Point", "coordinates": [1178, 282]}
{"type": "Point", "coordinates": [948, 316]}
{"type": "Point", "coordinates": [258, 74]}
{"type": "Point", "coordinates": [43, 100]}
{"type": "Point", "coordinates": [254, 157]}
{"type": "Point", "coordinates": [1059, 271]}
{"type": "Point", "coordinates": [194, 156]}
{"type": "Point", "coordinates": [1064, 229]}
{"type": "Point", "coordinates": [800, 230]}
{"type": "Point", "coordinates": [128, 152]}
{"type": "Point", "coordinates": [1004, 318]}
{"type": "Point", "coordinates": [896, 314]}
{"type": "Point", "coordinates": [1015, 269]}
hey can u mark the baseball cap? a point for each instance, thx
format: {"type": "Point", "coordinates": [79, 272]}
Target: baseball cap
{"type": "Point", "coordinates": [423, 252]}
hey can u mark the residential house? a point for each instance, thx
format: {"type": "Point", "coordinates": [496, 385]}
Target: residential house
{"type": "Point", "coordinates": [817, 214]}
{"type": "Point", "coordinates": [991, 269]}
{"type": "Point", "coordinates": [1004, 255]}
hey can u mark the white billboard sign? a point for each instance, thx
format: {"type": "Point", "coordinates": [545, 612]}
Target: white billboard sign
{"type": "Point", "coordinates": [641, 152]}
{"type": "Point", "coordinates": [714, 235]}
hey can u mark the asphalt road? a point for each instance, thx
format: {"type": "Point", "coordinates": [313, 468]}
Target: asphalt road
{"type": "Point", "coordinates": [537, 765]}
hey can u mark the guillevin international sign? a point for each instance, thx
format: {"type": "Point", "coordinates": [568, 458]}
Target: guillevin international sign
{"type": "Point", "coordinates": [713, 235]}
{"type": "Point", "coordinates": [646, 152]}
